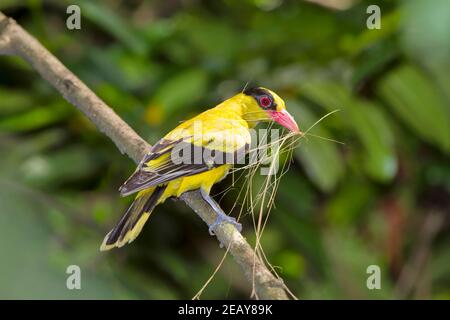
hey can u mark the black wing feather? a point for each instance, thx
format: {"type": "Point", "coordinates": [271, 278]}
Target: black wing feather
{"type": "Point", "coordinates": [145, 177]}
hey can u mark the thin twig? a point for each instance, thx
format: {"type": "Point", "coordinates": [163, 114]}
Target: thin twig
{"type": "Point", "coordinates": [413, 269]}
{"type": "Point", "coordinates": [16, 41]}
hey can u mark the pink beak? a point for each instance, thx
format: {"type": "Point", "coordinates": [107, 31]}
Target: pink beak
{"type": "Point", "coordinates": [285, 119]}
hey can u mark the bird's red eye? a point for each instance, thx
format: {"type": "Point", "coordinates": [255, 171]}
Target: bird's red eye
{"type": "Point", "coordinates": [265, 101]}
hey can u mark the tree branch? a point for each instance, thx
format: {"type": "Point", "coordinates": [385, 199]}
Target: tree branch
{"type": "Point", "coordinates": [16, 41]}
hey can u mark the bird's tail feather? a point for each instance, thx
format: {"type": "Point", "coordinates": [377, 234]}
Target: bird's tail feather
{"type": "Point", "coordinates": [134, 219]}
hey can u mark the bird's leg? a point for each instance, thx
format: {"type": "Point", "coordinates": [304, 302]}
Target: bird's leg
{"type": "Point", "coordinates": [221, 216]}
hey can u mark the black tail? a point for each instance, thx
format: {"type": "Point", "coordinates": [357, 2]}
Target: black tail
{"type": "Point", "coordinates": [134, 219]}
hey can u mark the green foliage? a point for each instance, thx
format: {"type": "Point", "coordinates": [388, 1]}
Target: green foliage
{"type": "Point", "coordinates": [418, 103]}
{"type": "Point", "coordinates": [339, 209]}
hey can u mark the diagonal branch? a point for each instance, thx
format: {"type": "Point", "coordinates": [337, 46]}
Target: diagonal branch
{"type": "Point", "coordinates": [16, 41]}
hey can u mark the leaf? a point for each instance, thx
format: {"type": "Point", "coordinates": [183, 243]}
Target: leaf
{"type": "Point", "coordinates": [296, 195]}
{"type": "Point", "coordinates": [418, 104]}
{"type": "Point", "coordinates": [354, 45]}
{"type": "Point", "coordinates": [368, 123]}
{"type": "Point", "coordinates": [59, 167]}
{"type": "Point", "coordinates": [349, 203]}
{"type": "Point", "coordinates": [14, 101]}
{"type": "Point", "coordinates": [181, 91]}
{"type": "Point", "coordinates": [41, 272]}
{"type": "Point", "coordinates": [424, 31]}
{"type": "Point", "coordinates": [378, 140]}
{"type": "Point", "coordinates": [305, 233]}
{"type": "Point", "coordinates": [320, 158]}
{"type": "Point", "coordinates": [114, 24]}
{"type": "Point", "coordinates": [35, 118]}
{"type": "Point", "coordinates": [349, 257]}
{"type": "Point", "coordinates": [293, 264]}
{"type": "Point", "coordinates": [215, 41]}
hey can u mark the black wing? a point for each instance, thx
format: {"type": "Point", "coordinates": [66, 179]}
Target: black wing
{"type": "Point", "coordinates": [175, 159]}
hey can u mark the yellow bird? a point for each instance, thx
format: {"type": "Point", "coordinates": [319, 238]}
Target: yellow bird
{"type": "Point", "coordinates": [194, 156]}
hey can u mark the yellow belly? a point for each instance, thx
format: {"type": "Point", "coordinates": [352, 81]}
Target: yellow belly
{"type": "Point", "coordinates": [204, 180]}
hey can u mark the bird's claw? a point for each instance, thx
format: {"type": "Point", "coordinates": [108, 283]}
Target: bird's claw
{"type": "Point", "coordinates": [222, 218]}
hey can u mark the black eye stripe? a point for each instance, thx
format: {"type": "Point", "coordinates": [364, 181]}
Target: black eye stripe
{"type": "Point", "coordinates": [256, 91]}
{"type": "Point", "coordinates": [260, 93]}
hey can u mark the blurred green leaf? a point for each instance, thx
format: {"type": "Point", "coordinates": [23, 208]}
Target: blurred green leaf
{"type": "Point", "coordinates": [349, 203]}
{"type": "Point", "coordinates": [320, 158]}
{"type": "Point", "coordinates": [304, 233]}
{"type": "Point", "coordinates": [293, 264]}
{"type": "Point", "coordinates": [35, 118]}
{"type": "Point", "coordinates": [349, 259]}
{"type": "Point", "coordinates": [369, 37]}
{"type": "Point", "coordinates": [417, 102]}
{"type": "Point", "coordinates": [23, 230]}
{"type": "Point", "coordinates": [217, 42]}
{"type": "Point", "coordinates": [181, 91]}
{"type": "Point", "coordinates": [14, 101]}
{"type": "Point", "coordinates": [424, 30]}
{"type": "Point", "coordinates": [296, 195]}
{"type": "Point", "coordinates": [366, 120]}
{"type": "Point", "coordinates": [40, 142]}
{"type": "Point", "coordinates": [111, 22]}
{"type": "Point", "coordinates": [59, 167]}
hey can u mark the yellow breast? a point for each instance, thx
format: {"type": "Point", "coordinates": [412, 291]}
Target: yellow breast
{"type": "Point", "coordinates": [203, 180]}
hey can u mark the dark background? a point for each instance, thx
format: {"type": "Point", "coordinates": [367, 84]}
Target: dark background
{"type": "Point", "coordinates": [382, 198]}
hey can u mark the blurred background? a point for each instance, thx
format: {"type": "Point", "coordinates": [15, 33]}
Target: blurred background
{"type": "Point", "coordinates": [380, 199]}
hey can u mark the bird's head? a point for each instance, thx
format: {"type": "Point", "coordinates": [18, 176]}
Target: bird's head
{"type": "Point", "coordinates": [265, 105]}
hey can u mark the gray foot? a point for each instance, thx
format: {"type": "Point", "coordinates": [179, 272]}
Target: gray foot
{"type": "Point", "coordinates": [221, 218]}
